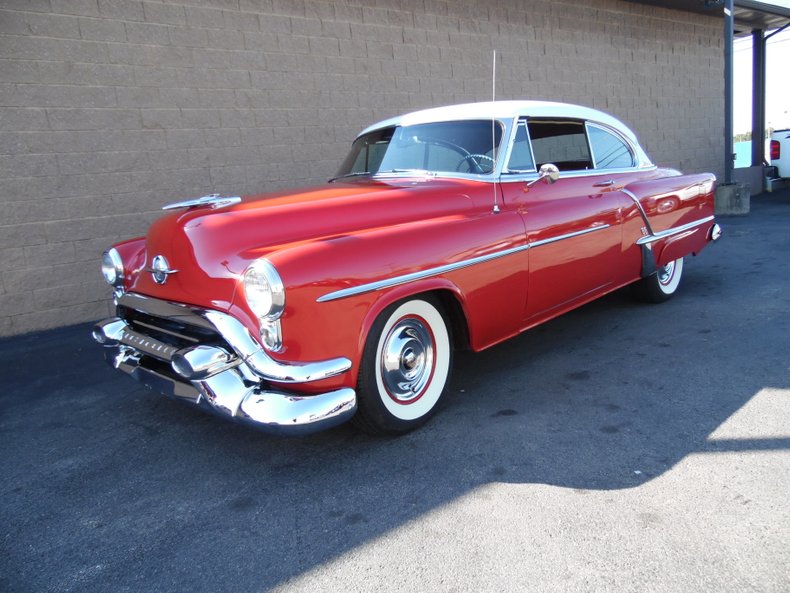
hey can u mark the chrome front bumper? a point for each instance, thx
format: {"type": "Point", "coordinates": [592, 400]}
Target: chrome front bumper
{"type": "Point", "coordinates": [229, 379]}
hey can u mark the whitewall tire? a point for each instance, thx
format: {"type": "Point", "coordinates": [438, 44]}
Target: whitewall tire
{"type": "Point", "coordinates": [405, 367]}
{"type": "Point", "coordinates": [662, 284]}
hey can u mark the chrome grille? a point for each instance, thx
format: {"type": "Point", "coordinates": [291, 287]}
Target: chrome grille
{"type": "Point", "coordinates": [158, 328]}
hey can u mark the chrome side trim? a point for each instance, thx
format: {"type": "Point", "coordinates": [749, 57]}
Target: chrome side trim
{"type": "Point", "coordinates": [439, 270]}
{"type": "Point", "coordinates": [405, 278]}
{"type": "Point", "coordinates": [641, 209]}
{"type": "Point", "coordinates": [569, 235]}
{"type": "Point", "coordinates": [675, 231]}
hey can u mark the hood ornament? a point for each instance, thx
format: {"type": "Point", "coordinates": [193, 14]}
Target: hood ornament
{"type": "Point", "coordinates": [160, 269]}
{"type": "Point", "coordinates": [212, 200]}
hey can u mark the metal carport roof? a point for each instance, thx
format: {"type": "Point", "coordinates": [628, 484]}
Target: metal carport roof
{"type": "Point", "coordinates": [741, 18]}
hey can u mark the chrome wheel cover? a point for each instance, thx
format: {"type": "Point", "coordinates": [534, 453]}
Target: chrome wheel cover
{"type": "Point", "coordinates": [407, 360]}
{"type": "Point", "coordinates": [666, 273]}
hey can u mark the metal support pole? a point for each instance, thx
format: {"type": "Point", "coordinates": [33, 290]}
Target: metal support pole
{"type": "Point", "coordinates": [728, 35]}
{"type": "Point", "coordinates": [758, 98]}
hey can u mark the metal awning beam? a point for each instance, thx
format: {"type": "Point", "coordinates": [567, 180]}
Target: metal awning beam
{"type": "Point", "coordinates": [758, 97]}
{"type": "Point", "coordinates": [729, 33]}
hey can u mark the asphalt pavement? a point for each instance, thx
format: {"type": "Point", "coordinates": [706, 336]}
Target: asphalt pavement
{"type": "Point", "coordinates": [621, 447]}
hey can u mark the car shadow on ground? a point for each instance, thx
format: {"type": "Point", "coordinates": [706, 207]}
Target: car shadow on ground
{"type": "Point", "coordinates": [108, 486]}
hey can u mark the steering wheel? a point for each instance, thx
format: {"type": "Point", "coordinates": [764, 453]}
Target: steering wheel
{"type": "Point", "coordinates": [473, 163]}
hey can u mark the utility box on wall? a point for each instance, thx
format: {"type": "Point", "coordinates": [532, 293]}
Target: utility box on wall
{"type": "Point", "coordinates": [733, 199]}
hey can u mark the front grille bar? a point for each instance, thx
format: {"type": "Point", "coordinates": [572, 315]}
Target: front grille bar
{"type": "Point", "coordinates": [147, 345]}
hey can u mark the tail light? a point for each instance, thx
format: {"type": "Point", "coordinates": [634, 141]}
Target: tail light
{"type": "Point", "coordinates": [775, 152]}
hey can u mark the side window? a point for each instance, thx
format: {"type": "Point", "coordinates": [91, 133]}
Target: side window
{"type": "Point", "coordinates": [609, 151]}
{"type": "Point", "coordinates": [562, 142]}
{"type": "Point", "coordinates": [521, 155]}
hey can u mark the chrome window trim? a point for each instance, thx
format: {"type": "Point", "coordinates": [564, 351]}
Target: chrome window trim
{"type": "Point", "coordinates": [529, 176]}
{"type": "Point", "coordinates": [427, 176]}
{"type": "Point", "coordinates": [487, 178]}
{"type": "Point", "coordinates": [619, 136]}
{"type": "Point", "coordinates": [514, 177]}
{"type": "Point", "coordinates": [492, 177]}
{"type": "Point", "coordinates": [510, 128]}
{"type": "Point", "coordinates": [439, 270]}
{"type": "Point", "coordinates": [653, 237]}
{"type": "Point", "coordinates": [521, 120]}
{"type": "Point", "coordinates": [513, 110]}
{"type": "Point", "coordinates": [589, 144]}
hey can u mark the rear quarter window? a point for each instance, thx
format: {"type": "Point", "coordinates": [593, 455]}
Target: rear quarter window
{"type": "Point", "coordinates": [609, 151]}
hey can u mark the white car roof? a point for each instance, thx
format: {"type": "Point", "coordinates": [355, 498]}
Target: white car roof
{"type": "Point", "coordinates": [504, 110]}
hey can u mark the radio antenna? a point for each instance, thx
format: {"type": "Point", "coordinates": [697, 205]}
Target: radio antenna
{"type": "Point", "coordinates": [493, 132]}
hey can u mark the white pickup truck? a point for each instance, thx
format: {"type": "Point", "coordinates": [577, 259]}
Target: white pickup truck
{"type": "Point", "coordinates": [780, 152]}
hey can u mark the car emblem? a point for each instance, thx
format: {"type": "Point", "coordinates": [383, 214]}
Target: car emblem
{"type": "Point", "coordinates": [160, 269]}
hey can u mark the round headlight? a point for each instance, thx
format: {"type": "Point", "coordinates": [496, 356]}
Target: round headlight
{"type": "Point", "coordinates": [112, 267]}
{"type": "Point", "coordinates": [264, 290]}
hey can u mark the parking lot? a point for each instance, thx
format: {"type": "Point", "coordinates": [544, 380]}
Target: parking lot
{"type": "Point", "coordinates": [622, 447]}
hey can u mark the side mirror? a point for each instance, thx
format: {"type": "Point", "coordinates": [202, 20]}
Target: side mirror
{"type": "Point", "coordinates": [548, 173]}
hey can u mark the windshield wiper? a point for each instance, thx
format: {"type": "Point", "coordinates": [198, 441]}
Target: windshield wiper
{"type": "Point", "coordinates": [354, 174]}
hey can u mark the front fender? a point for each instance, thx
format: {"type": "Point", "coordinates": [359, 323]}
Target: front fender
{"type": "Point", "coordinates": [415, 289]}
{"type": "Point", "coordinates": [491, 294]}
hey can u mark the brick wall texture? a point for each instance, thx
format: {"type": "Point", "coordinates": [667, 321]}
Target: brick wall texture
{"type": "Point", "coordinates": [111, 108]}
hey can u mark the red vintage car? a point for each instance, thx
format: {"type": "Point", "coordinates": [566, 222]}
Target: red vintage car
{"type": "Point", "coordinates": [454, 227]}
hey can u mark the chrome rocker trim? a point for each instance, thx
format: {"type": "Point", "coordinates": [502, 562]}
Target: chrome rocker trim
{"type": "Point", "coordinates": [231, 384]}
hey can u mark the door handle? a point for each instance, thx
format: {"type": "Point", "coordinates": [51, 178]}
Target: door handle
{"type": "Point", "coordinates": [607, 183]}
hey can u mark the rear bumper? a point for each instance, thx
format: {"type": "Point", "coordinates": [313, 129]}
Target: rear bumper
{"type": "Point", "coordinates": [230, 378]}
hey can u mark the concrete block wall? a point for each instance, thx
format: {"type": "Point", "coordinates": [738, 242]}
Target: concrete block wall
{"type": "Point", "coordinates": [111, 108]}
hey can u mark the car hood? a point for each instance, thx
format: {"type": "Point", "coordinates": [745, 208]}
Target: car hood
{"type": "Point", "coordinates": [208, 249]}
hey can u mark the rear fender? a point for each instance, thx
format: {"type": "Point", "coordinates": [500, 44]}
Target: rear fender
{"type": "Point", "coordinates": [690, 242]}
{"type": "Point", "coordinates": [671, 202]}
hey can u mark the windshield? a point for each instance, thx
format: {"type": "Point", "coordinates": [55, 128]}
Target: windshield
{"type": "Point", "coordinates": [467, 147]}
